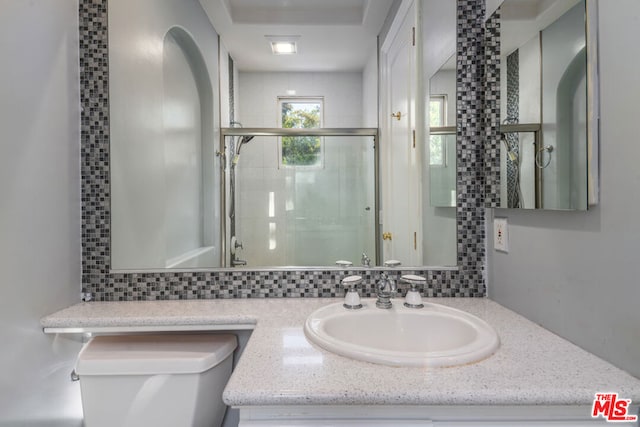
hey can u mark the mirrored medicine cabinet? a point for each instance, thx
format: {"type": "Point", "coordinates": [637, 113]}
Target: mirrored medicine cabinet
{"type": "Point", "coordinates": [548, 102]}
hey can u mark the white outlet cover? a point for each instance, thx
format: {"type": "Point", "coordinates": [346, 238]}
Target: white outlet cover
{"type": "Point", "coordinates": [500, 234]}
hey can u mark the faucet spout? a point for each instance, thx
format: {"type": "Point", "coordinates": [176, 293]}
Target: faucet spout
{"type": "Point", "coordinates": [385, 290]}
{"type": "Point", "coordinates": [365, 260]}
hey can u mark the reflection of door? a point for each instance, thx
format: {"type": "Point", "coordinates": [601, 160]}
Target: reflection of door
{"type": "Point", "coordinates": [401, 207]}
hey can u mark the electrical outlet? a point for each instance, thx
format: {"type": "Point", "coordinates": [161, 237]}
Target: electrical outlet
{"type": "Point", "coordinates": [500, 235]}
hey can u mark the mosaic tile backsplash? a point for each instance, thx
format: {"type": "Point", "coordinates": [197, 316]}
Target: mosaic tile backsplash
{"type": "Point", "coordinates": [491, 96]}
{"type": "Point", "coordinates": [104, 285]}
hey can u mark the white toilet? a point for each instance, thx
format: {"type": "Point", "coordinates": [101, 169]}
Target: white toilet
{"type": "Point", "coordinates": [155, 380]}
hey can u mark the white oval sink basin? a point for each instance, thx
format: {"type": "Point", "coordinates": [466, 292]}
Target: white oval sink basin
{"type": "Point", "coordinates": [435, 335]}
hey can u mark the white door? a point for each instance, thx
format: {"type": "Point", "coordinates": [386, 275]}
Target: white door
{"type": "Point", "coordinates": [401, 208]}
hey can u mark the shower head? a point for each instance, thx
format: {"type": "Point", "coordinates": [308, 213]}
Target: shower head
{"type": "Point", "coordinates": [245, 139]}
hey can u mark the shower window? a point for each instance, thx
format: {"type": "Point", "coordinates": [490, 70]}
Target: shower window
{"type": "Point", "coordinates": [437, 118]}
{"type": "Point", "coordinates": [301, 151]}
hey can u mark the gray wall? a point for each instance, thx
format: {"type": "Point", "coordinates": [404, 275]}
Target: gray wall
{"type": "Point", "coordinates": [578, 273]}
{"type": "Point", "coordinates": [39, 208]}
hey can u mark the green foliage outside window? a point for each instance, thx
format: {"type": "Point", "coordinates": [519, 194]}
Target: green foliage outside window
{"type": "Point", "coordinates": [301, 150]}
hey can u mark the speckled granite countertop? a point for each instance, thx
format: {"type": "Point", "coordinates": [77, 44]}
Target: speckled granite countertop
{"type": "Point", "coordinates": [280, 367]}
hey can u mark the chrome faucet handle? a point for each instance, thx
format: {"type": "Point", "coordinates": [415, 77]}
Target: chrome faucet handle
{"type": "Point", "coordinates": [413, 281]}
{"type": "Point", "coordinates": [351, 281]}
{"type": "Point", "coordinates": [235, 245]}
{"type": "Point", "coordinates": [352, 298]}
{"type": "Point", "coordinates": [344, 264]}
{"type": "Point", "coordinates": [413, 299]}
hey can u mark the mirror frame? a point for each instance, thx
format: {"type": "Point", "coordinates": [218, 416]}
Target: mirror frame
{"type": "Point", "coordinates": [99, 282]}
{"type": "Point", "coordinates": [492, 118]}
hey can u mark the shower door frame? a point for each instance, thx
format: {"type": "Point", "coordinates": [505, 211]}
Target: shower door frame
{"type": "Point", "coordinates": [536, 130]}
{"type": "Point", "coordinates": [279, 132]}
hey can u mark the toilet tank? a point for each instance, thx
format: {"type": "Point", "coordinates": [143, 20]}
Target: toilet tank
{"type": "Point", "coordinates": [155, 380]}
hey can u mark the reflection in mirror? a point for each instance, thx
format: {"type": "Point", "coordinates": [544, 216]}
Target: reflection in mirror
{"type": "Point", "coordinates": [442, 135]}
{"type": "Point", "coordinates": [288, 208]}
{"type": "Point", "coordinates": [440, 151]}
{"type": "Point", "coordinates": [546, 145]}
{"type": "Point", "coordinates": [163, 80]}
{"type": "Point", "coordinates": [173, 86]}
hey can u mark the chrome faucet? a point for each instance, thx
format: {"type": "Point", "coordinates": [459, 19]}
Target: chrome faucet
{"type": "Point", "coordinates": [385, 290]}
{"type": "Point", "coordinates": [236, 262]}
{"type": "Point", "coordinates": [365, 260]}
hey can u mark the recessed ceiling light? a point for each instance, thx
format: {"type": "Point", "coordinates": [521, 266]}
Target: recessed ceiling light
{"type": "Point", "coordinates": [283, 48]}
{"type": "Point", "coordinates": [283, 45]}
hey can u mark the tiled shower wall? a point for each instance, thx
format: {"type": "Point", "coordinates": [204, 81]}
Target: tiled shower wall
{"type": "Point", "coordinates": [104, 285]}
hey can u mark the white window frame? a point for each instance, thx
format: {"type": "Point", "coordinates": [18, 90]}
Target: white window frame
{"type": "Point", "coordinates": [442, 101]}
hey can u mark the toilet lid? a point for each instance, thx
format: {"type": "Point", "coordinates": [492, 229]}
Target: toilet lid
{"type": "Point", "coordinates": [154, 354]}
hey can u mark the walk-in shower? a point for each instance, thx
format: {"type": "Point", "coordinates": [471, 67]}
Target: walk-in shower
{"type": "Point", "coordinates": [279, 213]}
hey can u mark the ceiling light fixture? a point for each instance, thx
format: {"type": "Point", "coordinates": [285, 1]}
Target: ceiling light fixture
{"type": "Point", "coordinates": [283, 48]}
{"type": "Point", "coordinates": [283, 45]}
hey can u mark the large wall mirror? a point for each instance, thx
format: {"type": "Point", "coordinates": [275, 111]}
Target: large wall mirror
{"type": "Point", "coordinates": [183, 195]}
{"type": "Point", "coordinates": [548, 104]}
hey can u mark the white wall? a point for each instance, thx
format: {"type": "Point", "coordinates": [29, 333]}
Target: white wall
{"type": "Point", "coordinates": [259, 92]}
{"type": "Point", "coordinates": [39, 208]}
{"type": "Point", "coordinates": [370, 92]}
{"type": "Point", "coordinates": [224, 86]}
{"type": "Point", "coordinates": [145, 120]}
{"type": "Point", "coordinates": [576, 272]}
{"type": "Point", "coordinates": [438, 33]}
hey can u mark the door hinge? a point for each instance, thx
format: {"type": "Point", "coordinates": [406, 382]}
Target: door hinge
{"type": "Point", "coordinates": [414, 138]}
{"type": "Point", "coordinates": [413, 36]}
{"type": "Point", "coordinates": [415, 241]}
